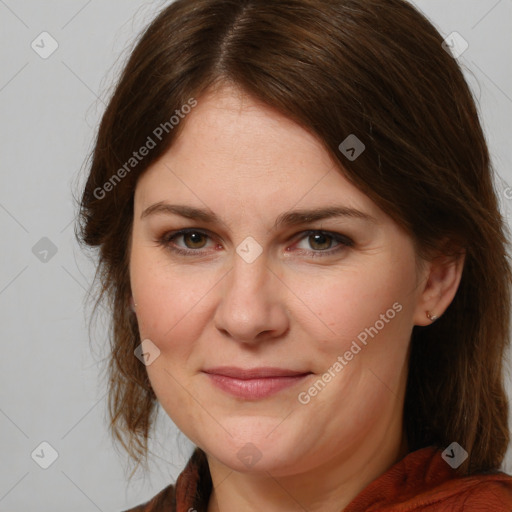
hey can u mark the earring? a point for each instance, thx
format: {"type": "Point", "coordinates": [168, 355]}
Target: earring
{"type": "Point", "coordinates": [431, 317]}
{"type": "Point", "coordinates": [132, 304]}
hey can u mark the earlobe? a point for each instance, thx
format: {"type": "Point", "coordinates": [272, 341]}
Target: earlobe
{"type": "Point", "coordinates": [431, 317]}
{"type": "Point", "coordinates": [132, 304]}
{"type": "Point", "coordinates": [443, 277]}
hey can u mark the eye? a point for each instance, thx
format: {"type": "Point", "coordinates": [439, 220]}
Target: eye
{"type": "Point", "coordinates": [193, 240]}
{"type": "Point", "coordinates": [324, 243]}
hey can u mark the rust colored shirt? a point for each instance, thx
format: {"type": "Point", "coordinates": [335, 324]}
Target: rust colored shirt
{"type": "Point", "coordinates": [421, 482]}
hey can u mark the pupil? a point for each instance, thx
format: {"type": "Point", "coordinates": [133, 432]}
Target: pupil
{"type": "Point", "coordinates": [321, 239]}
{"type": "Point", "coordinates": [195, 239]}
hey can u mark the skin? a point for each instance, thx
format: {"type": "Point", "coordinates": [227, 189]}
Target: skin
{"type": "Point", "coordinates": [248, 164]}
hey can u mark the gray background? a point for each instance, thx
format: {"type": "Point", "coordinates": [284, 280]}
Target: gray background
{"type": "Point", "coordinates": [51, 384]}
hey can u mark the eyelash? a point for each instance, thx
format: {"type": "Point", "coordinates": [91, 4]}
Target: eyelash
{"type": "Point", "coordinates": [343, 241]}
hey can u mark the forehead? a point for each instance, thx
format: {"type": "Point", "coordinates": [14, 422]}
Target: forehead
{"type": "Point", "coordinates": [236, 153]}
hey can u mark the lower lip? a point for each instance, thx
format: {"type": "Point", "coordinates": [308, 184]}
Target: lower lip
{"type": "Point", "coordinates": [253, 389]}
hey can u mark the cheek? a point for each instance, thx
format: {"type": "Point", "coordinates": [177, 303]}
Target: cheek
{"type": "Point", "coordinates": [171, 307]}
{"type": "Point", "coordinates": [170, 300]}
{"type": "Point", "coordinates": [347, 302]}
{"type": "Point", "coordinates": [362, 325]}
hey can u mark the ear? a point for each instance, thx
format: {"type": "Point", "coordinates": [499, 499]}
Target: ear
{"type": "Point", "coordinates": [439, 283]}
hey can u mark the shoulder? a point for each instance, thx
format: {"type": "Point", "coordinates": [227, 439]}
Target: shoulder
{"type": "Point", "coordinates": [474, 494]}
{"type": "Point", "coordinates": [164, 501]}
{"type": "Point", "coordinates": [443, 488]}
{"type": "Point", "coordinates": [486, 494]}
{"type": "Point", "coordinates": [422, 481]}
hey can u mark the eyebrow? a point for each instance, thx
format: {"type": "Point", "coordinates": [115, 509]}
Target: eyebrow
{"type": "Point", "coordinates": [291, 218]}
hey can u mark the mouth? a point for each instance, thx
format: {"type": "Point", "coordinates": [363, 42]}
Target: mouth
{"type": "Point", "coordinates": [254, 383]}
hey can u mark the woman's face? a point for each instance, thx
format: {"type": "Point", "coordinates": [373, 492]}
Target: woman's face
{"type": "Point", "coordinates": [279, 324]}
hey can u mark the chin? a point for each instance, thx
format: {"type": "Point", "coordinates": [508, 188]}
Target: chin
{"type": "Point", "coordinates": [257, 450]}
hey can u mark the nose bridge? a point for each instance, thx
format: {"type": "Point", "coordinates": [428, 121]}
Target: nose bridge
{"type": "Point", "coordinates": [247, 282]}
{"type": "Point", "coordinates": [250, 304]}
{"type": "Point", "coordinates": [250, 267]}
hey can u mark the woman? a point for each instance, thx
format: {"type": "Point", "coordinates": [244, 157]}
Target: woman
{"type": "Point", "coordinates": [306, 264]}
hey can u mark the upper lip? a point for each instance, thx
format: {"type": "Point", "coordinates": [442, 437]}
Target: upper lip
{"type": "Point", "coordinates": [253, 373]}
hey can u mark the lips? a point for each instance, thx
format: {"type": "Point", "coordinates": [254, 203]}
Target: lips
{"type": "Point", "coordinates": [254, 383]}
{"type": "Point", "coordinates": [253, 373]}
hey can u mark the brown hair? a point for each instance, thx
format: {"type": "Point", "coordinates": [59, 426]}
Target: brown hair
{"type": "Point", "coordinates": [373, 68]}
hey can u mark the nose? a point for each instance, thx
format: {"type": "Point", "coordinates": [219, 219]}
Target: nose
{"type": "Point", "coordinates": [252, 309]}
